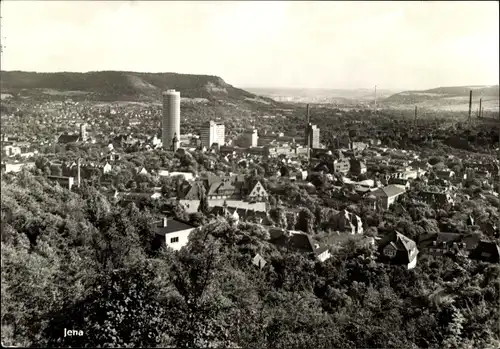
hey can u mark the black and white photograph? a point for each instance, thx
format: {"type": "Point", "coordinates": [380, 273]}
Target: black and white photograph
{"type": "Point", "coordinates": [250, 174]}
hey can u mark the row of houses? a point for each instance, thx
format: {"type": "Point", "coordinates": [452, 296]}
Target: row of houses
{"type": "Point", "coordinates": [234, 187]}
{"type": "Point", "coordinates": [394, 248]}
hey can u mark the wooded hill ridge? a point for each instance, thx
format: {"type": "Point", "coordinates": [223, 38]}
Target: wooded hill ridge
{"type": "Point", "coordinates": [124, 85]}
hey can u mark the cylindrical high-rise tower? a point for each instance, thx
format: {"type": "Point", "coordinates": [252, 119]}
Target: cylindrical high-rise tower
{"type": "Point", "coordinates": [171, 119]}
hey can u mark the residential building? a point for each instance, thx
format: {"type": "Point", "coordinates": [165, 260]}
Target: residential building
{"type": "Point", "coordinates": [341, 165]}
{"type": "Point", "coordinates": [357, 167]}
{"type": "Point", "coordinates": [445, 174]}
{"type": "Point", "coordinates": [358, 146]}
{"type": "Point", "coordinates": [68, 139]}
{"type": "Point", "coordinates": [258, 193]}
{"type": "Point", "coordinates": [264, 140]}
{"type": "Point", "coordinates": [437, 198]}
{"type": "Point", "coordinates": [65, 182]}
{"type": "Point", "coordinates": [395, 248]}
{"type": "Point", "coordinates": [387, 195]}
{"type": "Point", "coordinates": [138, 197]}
{"type": "Point", "coordinates": [212, 133]}
{"type": "Point", "coordinates": [107, 168]}
{"type": "Point", "coordinates": [300, 242]}
{"type": "Point", "coordinates": [451, 244]}
{"type": "Point", "coordinates": [345, 221]}
{"type": "Point", "coordinates": [12, 150]}
{"type": "Point", "coordinates": [405, 183]}
{"type": "Point", "coordinates": [16, 166]}
{"type": "Point", "coordinates": [190, 190]}
{"type": "Point", "coordinates": [188, 176]}
{"type": "Point", "coordinates": [243, 214]}
{"type": "Point", "coordinates": [141, 170]}
{"type": "Point", "coordinates": [173, 233]}
{"type": "Point", "coordinates": [486, 251]}
{"type": "Point", "coordinates": [258, 261]}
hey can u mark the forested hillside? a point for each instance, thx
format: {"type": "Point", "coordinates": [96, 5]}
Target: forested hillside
{"type": "Point", "coordinates": [118, 85]}
{"type": "Point", "coordinates": [75, 261]}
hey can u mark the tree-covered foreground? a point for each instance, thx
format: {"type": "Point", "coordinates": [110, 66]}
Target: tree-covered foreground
{"type": "Point", "coordinates": [73, 260]}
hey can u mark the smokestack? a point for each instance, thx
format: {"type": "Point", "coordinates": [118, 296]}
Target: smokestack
{"type": "Point", "coordinates": [482, 112]}
{"type": "Point", "coordinates": [307, 141]}
{"type": "Point", "coordinates": [78, 173]}
{"type": "Point", "coordinates": [164, 222]}
{"type": "Point", "coordinates": [480, 107]}
{"type": "Point", "coordinates": [470, 104]}
{"type": "Point", "coordinates": [415, 120]}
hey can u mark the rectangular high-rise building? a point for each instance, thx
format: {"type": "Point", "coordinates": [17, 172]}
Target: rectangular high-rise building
{"type": "Point", "coordinates": [313, 136]}
{"type": "Point", "coordinates": [83, 132]}
{"type": "Point", "coordinates": [171, 119]}
{"type": "Point", "coordinates": [212, 133]}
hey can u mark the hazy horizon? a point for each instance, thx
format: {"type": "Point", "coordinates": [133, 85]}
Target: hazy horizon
{"type": "Point", "coordinates": [298, 45]}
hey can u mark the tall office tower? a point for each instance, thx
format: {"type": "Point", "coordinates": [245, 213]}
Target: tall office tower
{"type": "Point", "coordinates": [313, 136]}
{"type": "Point", "coordinates": [211, 133]}
{"type": "Point", "coordinates": [83, 132]}
{"type": "Point", "coordinates": [171, 119]}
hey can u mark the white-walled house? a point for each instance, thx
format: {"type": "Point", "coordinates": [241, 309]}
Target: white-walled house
{"type": "Point", "coordinates": [173, 233]}
{"type": "Point", "coordinates": [322, 253]}
{"type": "Point", "coordinates": [107, 168]}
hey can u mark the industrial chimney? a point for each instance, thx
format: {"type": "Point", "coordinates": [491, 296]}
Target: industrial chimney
{"type": "Point", "coordinates": [78, 173]}
{"type": "Point", "coordinates": [470, 104]}
{"type": "Point", "coordinates": [480, 107]}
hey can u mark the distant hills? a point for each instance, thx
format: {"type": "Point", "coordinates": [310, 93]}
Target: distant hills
{"type": "Point", "coordinates": [316, 95]}
{"type": "Point", "coordinates": [451, 98]}
{"type": "Point", "coordinates": [121, 85]}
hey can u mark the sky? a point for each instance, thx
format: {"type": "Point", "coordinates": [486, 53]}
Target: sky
{"type": "Point", "coordinates": [394, 45]}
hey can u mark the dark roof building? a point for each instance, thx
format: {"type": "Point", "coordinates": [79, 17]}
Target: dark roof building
{"type": "Point", "coordinates": [67, 139]}
{"type": "Point", "coordinates": [300, 242]}
{"type": "Point", "coordinates": [486, 251]}
{"type": "Point", "coordinates": [395, 248]}
{"type": "Point", "coordinates": [451, 244]}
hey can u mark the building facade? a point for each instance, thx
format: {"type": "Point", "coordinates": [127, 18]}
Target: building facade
{"type": "Point", "coordinates": [83, 132]}
{"type": "Point", "coordinates": [249, 138]}
{"type": "Point", "coordinates": [212, 133]}
{"type": "Point", "coordinates": [171, 117]}
{"type": "Point", "coordinates": [313, 136]}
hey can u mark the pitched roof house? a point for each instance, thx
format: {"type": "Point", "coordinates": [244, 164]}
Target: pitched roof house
{"type": "Point", "coordinates": [191, 191]}
{"type": "Point", "coordinates": [173, 233]}
{"type": "Point", "coordinates": [258, 193]}
{"type": "Point", "coordinates": [441, 244]}
{"type": "Point", "coordinates": [65, 182]}
{"type": "Point", "coordinates": [67, 139]}
{"type": "Point", "coordinates": [300, 242]}
{"type": "Point", "coordinates": [486, 251]}
{"type": "Point", "coordinates": [141, 170]}
{"type": "Point", "coordinates": [387, 195]}
{"type": "Point", "coordinates": [436, 198]}
{"type": "Point", "coordinates": [346, 221]}
{"type": "Point", "coordinates": [258, 261]}
{"type": "Point", "coordinates": [395, 248]}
